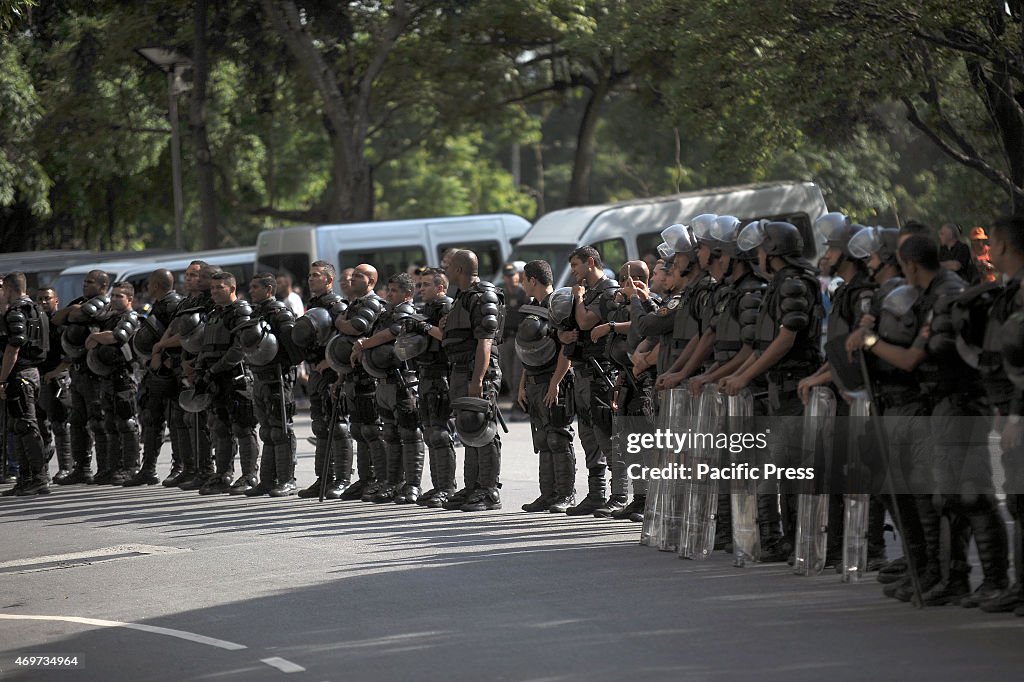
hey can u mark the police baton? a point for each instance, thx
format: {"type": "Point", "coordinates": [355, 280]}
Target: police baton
{"type": "Point", "coordinates": [328, 456]}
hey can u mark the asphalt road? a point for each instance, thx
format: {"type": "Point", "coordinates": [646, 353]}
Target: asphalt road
{"type": "Point", "coordinates": [158, 584]}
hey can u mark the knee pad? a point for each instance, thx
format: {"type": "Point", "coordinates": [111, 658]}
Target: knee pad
{"type": "Point", "coordinates": [275, 435]}
{"type": "Point", "coordinates": [558, 441]}
{"type": "Point", "coordinates": [321, 429]}
{"type": "Point", "coordinates": [239, 430]}
{"type": "Point", "coordinates": [370, 432]}
{"type": "Point", "coordinates": [389, 432]}
{"type": "Point", "coordinates": [266, 434]}
{"type": "Point", "coordinates": [439, 439]}
{"type": "Point", "coordinates": [342, 431]}
{"type": "Point", "coordinates": [128, 426]}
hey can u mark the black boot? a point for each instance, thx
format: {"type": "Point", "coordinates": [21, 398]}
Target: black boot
{"type": "Point", "coordinates": [284, 464]}
{"type": "Point", "coordinates": [595, 496]}
{"type": "Point", "coordinates": [412, 463]}
{"type": "Point", "coordinates": [546, 478]}
{"type": "Point", "coordinates": [615, 503]}
{"type": "Point", "coordinates": [564, 466]}
{"type": "Point", "coordinates": [342, 461]}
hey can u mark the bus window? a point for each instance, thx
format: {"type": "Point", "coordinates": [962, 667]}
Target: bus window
{"type": "Point", "coordinates": [387, 261]}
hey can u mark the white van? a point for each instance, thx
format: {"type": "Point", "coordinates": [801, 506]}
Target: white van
{"type": "Point", "coordinates": [239, 262]}
{"type": "Point", "coordinates": [631, 230]}
{"type": "Point", "coordinates": [390, 246]}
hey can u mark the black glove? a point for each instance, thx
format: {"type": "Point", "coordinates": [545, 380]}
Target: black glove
{"type": "Point", "coordinates": [416, 326]}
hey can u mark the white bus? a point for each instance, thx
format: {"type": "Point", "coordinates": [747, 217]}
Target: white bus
{"type": "Point", "coordinates": [391, 245]}
{"type": "Point", "coordinates": [631, 230]}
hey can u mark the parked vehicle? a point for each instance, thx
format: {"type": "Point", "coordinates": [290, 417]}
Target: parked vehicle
{"type": "Point", "coordinates": [42, 268]}
{"type": "Point", "coordinates": [392, 245]}
{"type": "Point", "coordinates": [631, 230]}
{"type": "Point", "coordinates": [238, 261]}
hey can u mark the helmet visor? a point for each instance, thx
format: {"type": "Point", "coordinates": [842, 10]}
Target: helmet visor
{"type": "Point", "coordinates": [678, 237]}
{"type": "Point", "coordinates": [751, 236]}
{"type": "Point", "coordinates": [665, 251]}
{"type": "Point", "coordinates": [833, 227]}
{"type": "Point", "coordinates": [865, 243]}
{"type": "Point", "coordinates": [702, 225]}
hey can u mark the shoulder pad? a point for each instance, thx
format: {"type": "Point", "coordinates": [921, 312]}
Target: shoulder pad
{"type": "Point", "coordinates": [901, 300]}
{"type": "Point", "coordinates": [793, 287]}
{"type": "Point", "coordinates": [490, 295]}
{"type": "Point", "coordinates": [241, 308]}
{"type": "Point", "coordinates": [338, 308]}
{"type": "Point", "coordinates": [272, 305]}
{"type": "Point", "coordinates": [948, 285]}
{"type": "Point", "coordinates": [173, 299]}
{"type": "Point", "coordinates": [405, 308]}
{"type": "Point", "coordinates": [482, 285]}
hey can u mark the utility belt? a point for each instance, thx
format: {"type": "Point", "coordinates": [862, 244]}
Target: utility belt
{"type": "Point", "coordinates": [269, 372]}
{"type": "Point", "coordinates": [891, 395]}
{"type": "Point", "coordinates": [433, 368]}
{"type": "Point", "coordinates": [542, 378]}
{"type": "Point", "coordinates": [678, 343]}
{"type": "Point", "coordinates": [360, 378]}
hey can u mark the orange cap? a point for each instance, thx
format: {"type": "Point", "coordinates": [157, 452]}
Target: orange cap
{"type": "Point", "coordinates": [978, 233]}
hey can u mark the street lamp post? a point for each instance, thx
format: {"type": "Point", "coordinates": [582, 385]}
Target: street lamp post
{"type": "Point", "coordinates": [174, 65]}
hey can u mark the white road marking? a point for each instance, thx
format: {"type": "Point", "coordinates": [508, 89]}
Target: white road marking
{"type": "Point", "coordinates": [180, 634]}
{"type": "Point", "coordinates": [282, 664]}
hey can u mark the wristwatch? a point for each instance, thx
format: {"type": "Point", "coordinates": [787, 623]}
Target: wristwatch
{"type": "Point", "coordinates": [870, 340]}
{"type": "Point", "coordinates": [611, 327]}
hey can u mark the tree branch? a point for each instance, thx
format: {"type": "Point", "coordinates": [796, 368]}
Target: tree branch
{"type": "Point", "coordinates": [993, 174]}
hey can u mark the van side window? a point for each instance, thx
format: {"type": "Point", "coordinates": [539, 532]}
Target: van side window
{"type": "Point", "coordinates": [647, 246]}
{"type": "Point", "coordinates": [488, 254]}
{"type": "Point", "coordinates": [387, 261]}
{"type": "Point", "coordinates": [613, 253]}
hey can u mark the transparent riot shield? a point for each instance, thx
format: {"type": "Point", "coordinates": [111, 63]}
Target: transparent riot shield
{"type": "Point", "coordinates": [746, 540]}
{"type": "Point", "coordinates": [676, 407]}
{"type": "Point", "coordinates": [812, 510]}
{"type": "Point", "coordinates": [700, 493]}
{"type": "Point", "coordinates": [855, 506]}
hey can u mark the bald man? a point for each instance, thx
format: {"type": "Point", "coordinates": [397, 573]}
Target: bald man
{"type": "Point", "coordinates": [360, 389]}
{"type": "Point", "coordinates": [472, 332]}
{"type": "Point", "coordinates": [159, 387]}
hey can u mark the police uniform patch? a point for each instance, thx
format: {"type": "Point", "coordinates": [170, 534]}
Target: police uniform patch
{"type": "Point", "coordinates": [673, 304]}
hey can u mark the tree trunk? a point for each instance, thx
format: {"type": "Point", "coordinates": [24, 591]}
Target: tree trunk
{"type": "Point", "coordinates": [583, 162]}
{"type": "Point", "coordinates": [197, 120]}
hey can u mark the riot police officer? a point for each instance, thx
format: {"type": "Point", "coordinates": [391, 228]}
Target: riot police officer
{"type": "Point", "coordinates": [158, 390]}
{"type": "Point", "coordinates": [396, 395]}
{"type": "Point", "coordinates": [219, 369]}
{"type": "Point", "coordinates": [695, 299]}
{"type": "Point", "coordinates": [544, 388]}
{"type": "Point", "coordinates": [359, 387]}
{"type": "Point", "coordinates": [786, 340]}
{"type": "Point", "coordinates": [312, 333]}
{"type": "Point", "coordinates": [79, 319]}
{"type": "Point", "coordinates": [109, 355]}
{"type": "Point", "coordinates": [26, 340]}
{"type": "Point", "coordinates": [267, 342]}
{"type": "Point", "coordinates": [915, 336]}
{"type": "Point", "coordinates": [1001, 363]}
{"type": "Point", "coordinates": [421, 343]}
{"type": "Point", "coordinates": [471, 331]}
{"type": "Point", "coordinates": [186, 335]}
{"type": "Point", "coordinates": [54, 406]}
{"type": "Point", "coordinates": [593, 295]}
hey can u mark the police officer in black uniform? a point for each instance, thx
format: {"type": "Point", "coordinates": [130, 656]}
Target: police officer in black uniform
{"type": "Point", "coordinates": [359, 387]}
{"type": "Point", "coordinates": [26, 340]}
{"type": "Point", "coordinates": [170, 353]}
{"type": "Point", "coordinates": [915, 336]}
{"type": "Point", "coordinates": [267, 343]}
{"type": "Point", "coordinates": [311, 335]}
{"type": "Point", "coordinates": [594, 300]}
{"type": "Point", "coordinates": [544, 387]}
{"type": "Point", "coordinates": [78, 320]}
{"type": "Point", "coordinates": [471, 331]}
{"type": "Point", "coordinates": [158, 390]}
{"type": "Point", "coordinates": [787, 336]}
{"type": "Point", "coordinates": [423, 335]}
{"type": "Point", "coordinates": [396, 394]}
{"type": "Point", "coordinates": [1001, 363]}
{"type": "Point", "coordinates": [694, 301]}
{"type": "Point", "coordinates": [980, 317]}
{"type": "Point", "coordinates": [54, 406]}
{"type": "Point", "coordinates": [220, 370]}
{"type": "Point", "coordinates": [634, 390]}
{"type": "Point", "coordinates": [110, 357]}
